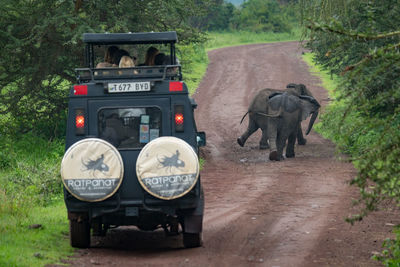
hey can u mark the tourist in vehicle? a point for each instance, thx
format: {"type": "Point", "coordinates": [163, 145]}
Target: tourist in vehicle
{"type": "Point", "coordinates": [160, 59]}
{"type": "Point", "coordinates": [108, 57]}
{"type": "Point", "coordinates": [126, 62]}
{"type": "Point", "coordinates": [151, 53]}
{"type": "Point", "coordinates": [118, 55]}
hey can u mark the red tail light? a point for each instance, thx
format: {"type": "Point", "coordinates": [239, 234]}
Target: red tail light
{"type": "Point", "coordinates": [79, 122]}
{"type": "Point", "coordinates": [179, 118]}
{"type": "Point", "coordinates": [80, 89]}
{"type": "Point", "coordinates": [175, 86]}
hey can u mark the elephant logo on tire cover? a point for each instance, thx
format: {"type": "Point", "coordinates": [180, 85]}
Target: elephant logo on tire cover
{"type": "Point", "coordinates": [96, 165]}
{"type": "Point", "coordinates": [171, 162]}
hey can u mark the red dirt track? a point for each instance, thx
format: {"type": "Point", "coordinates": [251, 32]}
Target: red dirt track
{"type": "Point", "coordinates": [258, 212]}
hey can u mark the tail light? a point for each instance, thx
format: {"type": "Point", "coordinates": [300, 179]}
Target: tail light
{"type": "Point", "coordinates": [80, 89]}
{"type": "Point", "coordinates": [179, 118]}
{"type": "Point", "coordinates": [79, 122]}
{"type": "Point", "coordinates": [175, 86]}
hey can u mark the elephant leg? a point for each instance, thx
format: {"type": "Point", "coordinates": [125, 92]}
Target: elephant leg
{"type": "Point", "coordinates": [272, 133]}
{"type": "Point", "coordinates": [290, 145]}
{"type": "Point", "coordinates": [251, 128]}
{"type": "Point", "coordinates": [280, 144]}
{"type": "Point", "coordinates": [264, 140]}
{"type": "Point", "coordinates": [300, 138]}
{"type": "Point", "coordinates": [262, 122]}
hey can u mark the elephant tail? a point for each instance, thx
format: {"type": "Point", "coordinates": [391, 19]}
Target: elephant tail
{"type": "Point", "coordinates": [244, 117]}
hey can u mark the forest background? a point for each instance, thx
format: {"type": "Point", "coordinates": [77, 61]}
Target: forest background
{"type": "Point", "coordinates": [357, 42]}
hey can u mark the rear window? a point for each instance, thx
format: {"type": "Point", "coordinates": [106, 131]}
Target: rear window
{"type": "Point", "coordinates": [131, 127]}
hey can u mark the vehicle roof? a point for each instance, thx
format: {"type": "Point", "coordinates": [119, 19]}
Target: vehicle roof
{"type": "Point", "coordinates": [130, 38]}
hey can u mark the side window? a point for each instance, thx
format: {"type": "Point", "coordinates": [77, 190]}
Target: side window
{"type": "Point", "coordinates": [129, 128]}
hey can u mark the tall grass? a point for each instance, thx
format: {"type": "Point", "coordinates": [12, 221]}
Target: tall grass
{"type": "Point", "coordinates": [224, 39]}
{"type": "Point", "coordinates": [31, 193]}
{"type": "Point", "coordinates": [35, 237]}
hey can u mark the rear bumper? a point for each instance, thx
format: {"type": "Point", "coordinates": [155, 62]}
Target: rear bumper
{"type": "Point", "coordinates": [133, 207]}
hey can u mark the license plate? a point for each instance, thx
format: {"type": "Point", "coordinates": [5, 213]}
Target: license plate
{"type": "Point", "coordinates": [128, 87]}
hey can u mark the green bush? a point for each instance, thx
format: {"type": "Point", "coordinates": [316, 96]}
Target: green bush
{"type": "Point", "coordinates": [29, 173]}
{"type": "Point", "coordinates": [391, 255]}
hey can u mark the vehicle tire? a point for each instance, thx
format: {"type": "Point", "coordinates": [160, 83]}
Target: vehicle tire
{"type": "Point", "coordinates": [79, 233]}
{"type": "Point", "coordinates": [192, 240]}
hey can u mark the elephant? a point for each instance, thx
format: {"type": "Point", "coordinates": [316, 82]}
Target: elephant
{"type": "Point", "coordinates": [284, 114]}
{"type": "Point", "coordinates": [258, 108]}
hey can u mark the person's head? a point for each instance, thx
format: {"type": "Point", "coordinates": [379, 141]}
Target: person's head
{"type": "Point", "coordinates": [150, 56]}
{"type": "Point", "coordinates": [118, 55]}
{"type": "Point", "coordinates": [126, 62]}
{"type": "Point", "coordinates": [110, 52]}
{"type": "Point", "coordinates": [160, 59]}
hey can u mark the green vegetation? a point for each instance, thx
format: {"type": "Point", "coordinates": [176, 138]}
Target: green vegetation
{"type": "Point", "coordinates": [194, 62]}
{"type": "Point", "coordinates": [252, 15]}
{"type": "Point", "coordinates": [31, 193]}
{"type": "Point", "coordinates": [23, 243]}
{"type": "Point", "coordinates": [41, 46]}
{"type": "Point", "coordinates": [224, 39]}
{"type": "Point", "coordinates": [360, 41]}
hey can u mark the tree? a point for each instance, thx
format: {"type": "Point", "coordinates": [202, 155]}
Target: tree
{"type": "Point", "coordinates": [360, 40]}
{"type": "Point", "coordinates": [41, 46]}
{"type": "Point", "coordinates": [261, 16]}
{"type": "Point", "coordinates": [220, 16]}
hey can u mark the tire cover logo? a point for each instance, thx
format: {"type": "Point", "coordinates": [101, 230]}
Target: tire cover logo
{"type": "Point", "coordinates": [92, 170]}
{"type": "Point", "coordinates": [167, 168]}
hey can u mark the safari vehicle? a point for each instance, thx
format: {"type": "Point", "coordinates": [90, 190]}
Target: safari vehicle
{"type": "Point", "coordinates": [132, 146]}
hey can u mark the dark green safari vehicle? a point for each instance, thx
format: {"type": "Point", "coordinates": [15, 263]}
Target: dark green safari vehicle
{"type": "Point", "coordinates": [132, 144]}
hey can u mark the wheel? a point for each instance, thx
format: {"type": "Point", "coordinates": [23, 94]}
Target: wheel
{"type": "Point", "coordinates": [192, 240]}
{"type": "Point", "coordinates": [79, 233]}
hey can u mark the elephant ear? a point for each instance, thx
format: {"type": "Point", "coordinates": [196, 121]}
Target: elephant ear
{"type": "Point", "coordinates": [275, 94]}
{"type": "Point", "coordinates": [309, 105]}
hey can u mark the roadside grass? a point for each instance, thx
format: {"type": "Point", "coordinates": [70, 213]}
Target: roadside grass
{"type": "Point", "coordinates": [194, 61]}
{"type": "Point", "coordinates": [30, 193]}
{"type": "Point", "coordinates": [225, 39]}
{"type": "Point", "coordinates": [22, 246]}
{"type": "Point", "coordinates": [353, 134]}
{"type": "Point", "coordinates": [329, 82]}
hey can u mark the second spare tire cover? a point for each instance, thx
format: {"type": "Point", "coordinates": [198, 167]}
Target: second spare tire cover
{"type": "Point", "coordinates": [167, 168]}
{"type": "Point", "coordinates": [92, 170]}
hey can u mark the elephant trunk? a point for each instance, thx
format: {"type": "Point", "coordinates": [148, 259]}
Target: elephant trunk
{"type": "Point", "coordinates": [312, 120]}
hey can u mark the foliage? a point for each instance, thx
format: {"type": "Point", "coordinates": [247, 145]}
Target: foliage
{"type": "Point", "coordinates": [251, 16]}
{"type": "Point", "coordinates": [360, 40]}
{"type": "Point", "coordinates": [391, 254]}
{"type": "Point", "coordinates": [29, 171]}
{"type": "Point", "coordinates": [194, 60]}
{"type": "Point", "coordinates": [41, 46]}
{"type": "Point", "coordinates": [261, 16]}
{"type": "Point", "coordinates": [231, 38]}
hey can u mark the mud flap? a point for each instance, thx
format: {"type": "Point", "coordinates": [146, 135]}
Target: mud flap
{"type": "Point", "coordinates": [193, 222]}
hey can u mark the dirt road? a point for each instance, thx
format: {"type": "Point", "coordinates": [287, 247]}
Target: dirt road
{"type": "Point", "coordinates": [258, 213]}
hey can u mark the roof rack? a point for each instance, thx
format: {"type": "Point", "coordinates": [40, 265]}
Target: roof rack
{"type": "Point", "coordinates": [156, 73]}
{"type": "Point", "coordinates": [130, 38]}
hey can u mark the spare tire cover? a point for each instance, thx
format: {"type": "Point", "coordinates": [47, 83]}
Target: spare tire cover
{"type": "Point", "coordinates": [92, 170]}
{"type": "Point", "coordinates": [167, 168]}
